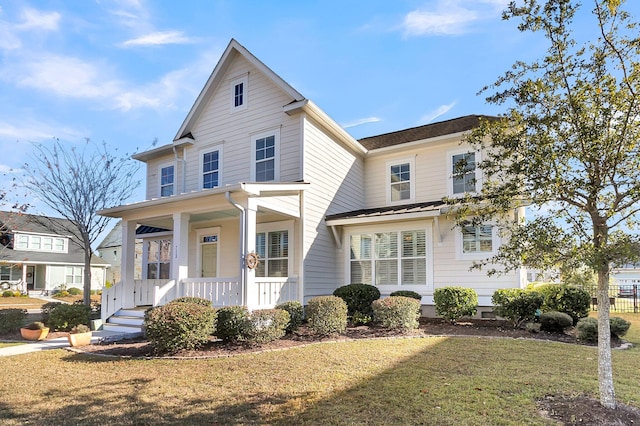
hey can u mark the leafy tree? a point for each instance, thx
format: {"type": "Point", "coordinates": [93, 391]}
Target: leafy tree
{"type": "Point", "coordinates": [569, 141]}
{"type": "Point", "coordinates": [77, 183]}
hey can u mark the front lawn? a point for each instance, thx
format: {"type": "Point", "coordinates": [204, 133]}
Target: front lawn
{"type": "Point", "coordinates": [21, 302]}
{"type": "Point", "coordinates": [433, 380]}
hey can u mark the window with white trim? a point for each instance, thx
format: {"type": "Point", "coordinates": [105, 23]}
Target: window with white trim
{"type": "Point", "coordinates": [463, 170]}
{"type": "Point", "coordinates": [400, 181]}
{"type": "Point", "coordinates": [265, 157]}
{"type": "Point", "coordinates": [41, 243]}
{"type": "Point", "coordinates": [158, 258]}
{"type": "Point", "coordinates": [73, 275]}
{"type": "Point", "coordinates": [273, 249]}
{"type": "Point", "coordinates": [389, 258]}
{"type": "Point", "coordinates": [211, 169]}
{"type": "Point", "coordinates": [239, 94]}
{"type": "Point", "coordinates": [477, 239]}
{"type": "Point", "coordinates": [9, 273]}
{"type": "Point", "coordinates": [166, 180]}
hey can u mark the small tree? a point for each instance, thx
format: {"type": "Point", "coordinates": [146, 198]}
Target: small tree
{"type": "Point", "coordinates": [77, 183]}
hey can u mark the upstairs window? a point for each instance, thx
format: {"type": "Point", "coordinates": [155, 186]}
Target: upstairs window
{"type": "Point", "coordinates": [400, 181]}
{"type": "Point", "coordinates": [265, 157]}
{"type": "Point", "coordinates": [239, 94]}
{"type": "Point", "coordinates": [463, 173]}
{"type": "Point", "coordinates": [477, 241]}
{"type": "Point", "coordinates": [41, 243]}
{"type": "Point", "coordinates": [211, 169]}
{"type": "Point", "coordinates": [166, 181]}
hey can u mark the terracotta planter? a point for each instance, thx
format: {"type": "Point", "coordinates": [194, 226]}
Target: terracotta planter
{"type": "Point", "coordinates": [79, 339]}
{"type": "Point", "coordinates": [38, 334]}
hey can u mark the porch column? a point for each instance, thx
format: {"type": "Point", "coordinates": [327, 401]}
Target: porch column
{"type": "Point", "coordinates": [250, 291]}
{"type": "Point", "coordinates": [180, 261]}
{"type": "Point", "coordinates": [128, 261]}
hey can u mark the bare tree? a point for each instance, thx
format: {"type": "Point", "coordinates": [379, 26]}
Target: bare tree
{"type": "Point", "coordinates": [77, 183]}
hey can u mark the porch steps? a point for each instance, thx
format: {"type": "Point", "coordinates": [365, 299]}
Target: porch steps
{"type": "Point", "coordinates": [128, 321]}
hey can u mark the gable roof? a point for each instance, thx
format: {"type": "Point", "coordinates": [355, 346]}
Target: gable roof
{"type": "Point", "coordinates": [16, 222]}
{"type": "Point", "coordinates": [448, 127]}
{"type": "Point", "coordinates": [233, 49]}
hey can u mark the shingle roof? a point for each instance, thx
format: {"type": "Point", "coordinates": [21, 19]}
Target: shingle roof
{"type": "Point", "coordinates": [455, 125]}
{"type": "Point", "coordinates": [388, 210]}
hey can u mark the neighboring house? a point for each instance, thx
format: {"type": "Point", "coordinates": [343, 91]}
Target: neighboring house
{"type": "Point", "coordinates": [36, 257]}
{"type": "Point", "coordinates": [626, 279]}
{"type": "Point", "coordinates": [258, 169]}
{"type": "Point", "coordinates": [110, 250]}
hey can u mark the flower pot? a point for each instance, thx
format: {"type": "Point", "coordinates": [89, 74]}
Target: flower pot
{"type": "Point", "coordinates": [79, 339]}
{"type": "Point", "coordinates": [37, 334]}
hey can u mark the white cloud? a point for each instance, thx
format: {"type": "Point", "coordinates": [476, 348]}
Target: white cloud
{"type": "Point", "coordinates": [159, 38]}
{"type": "Point", "coordinates": [361, 121]}
{"type": "Point", "coordinates": [34, 131]}
{"type": "Point", "coordinates": [450, 17]}
{"type": "Point", "coordinates": [432, 115]}
{"type": "Point", "coordinates": [36, 19]}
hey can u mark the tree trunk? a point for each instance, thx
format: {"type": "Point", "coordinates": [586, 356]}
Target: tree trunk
{"type": "Point", "coordinates": [605, 367]}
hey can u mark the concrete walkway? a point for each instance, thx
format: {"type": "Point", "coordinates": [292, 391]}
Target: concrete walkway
{"type": "Point", "coordinates": [57, 343]}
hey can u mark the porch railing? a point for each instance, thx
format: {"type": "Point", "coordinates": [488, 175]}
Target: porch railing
{"type": "Point", "coordinates": [271, 291]}
{"type": "Point", "coordinates": [220, 291]}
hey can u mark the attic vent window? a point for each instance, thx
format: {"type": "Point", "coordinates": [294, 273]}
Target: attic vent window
{"type": "Point", "coordinates": [239, 93]}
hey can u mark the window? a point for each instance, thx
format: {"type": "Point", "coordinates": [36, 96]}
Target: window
{"type": "Point", "coordinates": [35, 243]}
{"type": "Point", "coordinates": [59, 244]}
{"type": "Point", "coordinates": [463, 173]}
{"type": "Point", "coordinates": [47, 243]}
{"type": "Point", "coordinates": [73, 275]}
{"type": "Point", "coordinates": [265, 157]}
{"type": "Point", "coordinates": [273, 249]}
{"type": "Point", "coordinates": [166, 181]}
{"type": "Point", "coordinates": [8, 273]}
{"type": "Point", "coordinates": [389, 258]}
{"type": "Point", "coordinates": [158, 259]}
{"type": "Point", "coordinates": [400, 185]}
{"type": "Point", "coordinates": [477, 240]}
{"type": "Point", "coordinates": [211, 169]}
{"type": "Point", "coordinates": [23, 242]}
{"type": "Point", "coordinates": [41, 243]}
{"type": "Point", "coordinates": [239, 94]}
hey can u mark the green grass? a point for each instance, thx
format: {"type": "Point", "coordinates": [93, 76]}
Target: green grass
{"type": "Point", "coordinates": [434, 381]}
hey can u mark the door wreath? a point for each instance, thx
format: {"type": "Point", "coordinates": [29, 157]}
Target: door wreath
{"type": "Point", "coordinates": [252, 260]}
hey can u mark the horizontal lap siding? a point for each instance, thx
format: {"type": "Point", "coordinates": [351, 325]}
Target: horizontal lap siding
{"type": "Point", "coordinates": [335, 175]}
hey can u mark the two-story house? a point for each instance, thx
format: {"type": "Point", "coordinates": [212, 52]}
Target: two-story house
{"type": "Point", "coordinates": [37, 256]}
{"type": "Point", "coordinates": [258, 171]}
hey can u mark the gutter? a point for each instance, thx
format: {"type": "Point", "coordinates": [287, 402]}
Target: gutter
{"type": "Point", "coordinates": [243, 232]}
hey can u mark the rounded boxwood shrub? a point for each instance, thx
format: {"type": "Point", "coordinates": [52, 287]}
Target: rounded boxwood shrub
{"type": "Point", "coordinates": [197, 300]}
{"type": "Point", "coordinates": [453, 303]}
{"type": "Point", "coordinates": [327, 315]}
{"type": "Point", "coordinates": [266, 325]}
{"type": "Point", "coordinates": [11, 319]}
{"type": "Point", "coordinates": [46, 310]}
{"type": "Point", "coordinates": [588, 329]}
{"type": "Point", "coordinates": [233, 323]}
{"type": "Point", "coordinates": [179, 326]}
{"type": "Point", "coordinates": [407, 293]}
{"type": "Point", "coordinates": [358, 297]}
{"type": "Point", "coordinates": [517, 305]}
{"type": "Point", "coordinates": [7, 293]}
{"type": "Point", "coordinates": [74, 291]}
{"type": "Point", "coordinates": [618, 326]}
{"type": "Point", "coordinates": [397, 312]}
{"type": "Point", "coordinates": [573, 301]}
{"type": "Point", "coordinates": [296, 314]}
{"type": "Point", "coordinates": [64, 317]}
{"type": "Point", "coordinates": [555, 322]}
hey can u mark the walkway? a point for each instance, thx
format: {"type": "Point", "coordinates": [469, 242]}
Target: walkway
{"type": "Point", "coordinates": [57, 343]}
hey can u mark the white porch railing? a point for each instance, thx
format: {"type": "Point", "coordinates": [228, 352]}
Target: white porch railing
{"type": "Point", "coordinates": [112, 300]}
{"type": "Point", "coordinates": [220, 291]}
{"type": "Point", "coordinates": [271, 291]}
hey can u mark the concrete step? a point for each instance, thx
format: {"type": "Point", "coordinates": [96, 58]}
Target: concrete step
{"type": "Point", "coordinates": [132, 312]}
{"type": "Point", "coordinates": [126, 320]}
{"type": "Point", "coordinates": [122, 328]}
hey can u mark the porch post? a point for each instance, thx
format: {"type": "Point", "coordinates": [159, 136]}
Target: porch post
{"type": "Point", "coordinates": [250, 291]}
{"type": "Point", "coordinates": [127, 261]}
{"type": "Point", "coordinates": [180, 261]}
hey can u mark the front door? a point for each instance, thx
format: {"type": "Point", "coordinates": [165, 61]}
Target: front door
{"type": "Point", "coordinates": [208, 248]}
{"type": "Point", "coordinates": [31, 276]}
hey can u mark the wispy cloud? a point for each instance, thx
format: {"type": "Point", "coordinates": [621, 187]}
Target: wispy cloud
{"type": "Point", "coordinates": [361, 121]}
{"type": "Point", "coordinates": [159, 38]}
{"type": "Point", "coordinates": [432, 115]}
{"type": "Point", "coordinates": [35, 131]}
{"type": "Point", "coordinates": [40, 20]}
{"type": "Point", "coordinates": [450, 17]}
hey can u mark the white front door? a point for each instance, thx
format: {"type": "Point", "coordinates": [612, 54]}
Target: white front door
{"type": "Point", "coordinates": [208, 252]}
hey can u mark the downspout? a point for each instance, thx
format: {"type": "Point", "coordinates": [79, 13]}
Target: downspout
{"type": "Point", "coordinates": [243, 281]}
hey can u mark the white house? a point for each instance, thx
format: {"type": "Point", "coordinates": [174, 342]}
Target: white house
{"type": "Point", "coordinates": [259, 171]}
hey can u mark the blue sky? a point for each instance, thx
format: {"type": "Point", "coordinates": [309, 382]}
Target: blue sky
{"type": "Point", "coordinates": [127, 71]}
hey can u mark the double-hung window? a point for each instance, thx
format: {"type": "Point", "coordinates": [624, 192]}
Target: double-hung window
{"type": "Point", "coordinates": [166, 180]}
{"type": "Point", "coordinates": [477, 239]}
{"type": "Point", "coordinates": [74, 275]}
{"type": "Point", "coordinates": [239, 93]}
{"type": "Point", "coordinates": [463, 173]}
{"type": "Point", "coordinates": [211, 169]}
{"type": "Point", "coordinates": [265, 157]}
{"type": "Point", "coordinates": [273, 249]}
{"type": "Point", "coordinates": [400, 181]}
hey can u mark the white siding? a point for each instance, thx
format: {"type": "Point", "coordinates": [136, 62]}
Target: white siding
{"type": "Point", "coordinates": [336, 177]}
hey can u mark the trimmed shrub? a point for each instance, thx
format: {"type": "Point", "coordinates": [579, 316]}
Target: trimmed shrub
{"type": "Point", "coordinates": [397, 312]}
{"type": "Point", "coordinates": [573, 301]}
{"type": "Point", "coordinates": [532, 327]}
{"type": "Point", "coordinates": [327, 315]}
{"type": "Point", "coordinates": [296, 314]}
{"type": "Point", "coordinates": [233, 323]}
{"type": "Point", "coordinates": [407, 293]}
{"type": "Point", "coordinates": [517, 305]}
{"type": "Point", "coordinates": [266, 325]}
{"type": "Point", "coordinates": [588, 329]}
{"type": "Point", "coordinates": [358, 297]}
{"type": "Point", "coordinates": [179, 326]}
{"type": "Point", "coordinates": [555, 322]}
{"type": "Point", "coordinates": [197, 300]}
{"type": "Point", "coordinates": [7, 293]}
{"type": "Point", "coordinates": [453, 303]}
{"type": "Point", "coordinates": [46, 310]}
{"type": "Point", "coordinates": [64, 317]}
{"type": "Point", "coordinates": [618, 326]}
{"type": "Point", "coordinates": [12, 319]}
{"type": "Point", "coordinates": [74, 291]}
